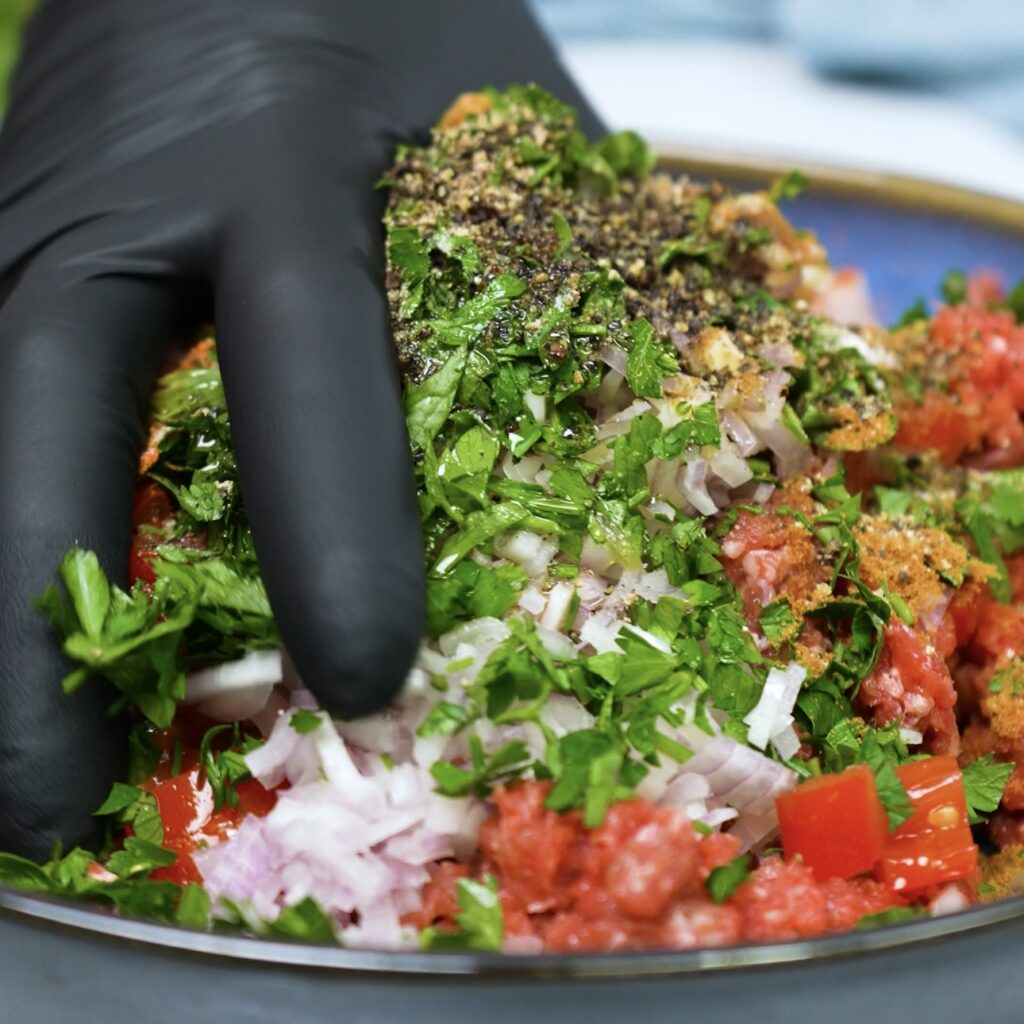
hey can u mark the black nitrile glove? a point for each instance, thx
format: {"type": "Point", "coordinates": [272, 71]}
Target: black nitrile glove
{"type": "Point", "coordinates": [166, 161]}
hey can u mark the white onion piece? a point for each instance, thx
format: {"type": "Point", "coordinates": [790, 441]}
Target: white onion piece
{"type": "Point", "coordinates": [537, 404]}
{"type": "Point", "coordinates": [235, 690]}
{"type": "Point", "coordinates": [558, 645]}
{"type": "Point", "coordinates": [949, 900]}
{"type": "Point", "coordinates": [933, 616]}
{"type": "Point", "coordinates": [648, 638]}
{"type": "Point", "coordinates": [792, 455]}
{"type": "Point", "coordinates": [786, 742]}
{"type": "Point", "coordinates": [563, 715]}
{"type": "Point", "coordinates": [744, 438]}
{"type": "Point", "coordinates": [686, 787]}
{"type": "Point", "coordinates": [596, 557]}
{"type": "Point", "coordinates": [773, 711]}
{"type": "Point", "coordinates": [599, 633]}
{"type": "Point", "coordinates": [781, 353]}
{"type": "Point", "coordinates": [265, 718]}
{"type": "Point", "coordinates": [613, 356]}
{"type": "Point", "coordinates": [658, 510]}
{"type": "Point", "coordinates": [694, 488]}
{"type": "Point", "coordinates": [719, 816]}
{"type": "Point", "coordinates": [841, 338]}
{"type": "Point", "coordinates": [755, 830]}
{"type": "Point", "coordinates": [619, 423]}
{"type": "Point", "coordinates": [522, 470]}
{"type": "Point", "coordinates": [528, 550]}
{"type": "Point", "coordinates": [729, 467]}
{"type": "Point", "coordinates": [741, 777]}
{"type": "Point", "coordinates": [912, 737]}
{"type": "Point", "coordinates": [653, 585]}
{"type": "Point", "coordinates": [532, 600]}
{"type": "Point", "coordinates": [483, 634]}
{"type": "Point", "coordinates": [560, 599]}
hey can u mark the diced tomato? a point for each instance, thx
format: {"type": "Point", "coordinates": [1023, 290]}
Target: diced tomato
{"type": "Point", "coordinates": [920, 862]}
{"type": "Point", "coordinates": [186, 807]}
{"type": "Point", "coordinates": [935, 844]}
{"type": "Point", "coordinates": [151, 508]}
{"type": "Point", "coordinates": [834, 823]}
{"type": "Point", "coordinates": [936, 790]}
{"type": "Point", "coordinates": [978, 417]}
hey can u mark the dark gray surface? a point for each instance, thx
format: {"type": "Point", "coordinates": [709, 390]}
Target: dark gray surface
{"type": "Point", "coordinates": [60, 963]}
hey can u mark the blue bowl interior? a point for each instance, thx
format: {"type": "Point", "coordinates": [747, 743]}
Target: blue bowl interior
{"type": "Point", "coordinates": [905, 252]}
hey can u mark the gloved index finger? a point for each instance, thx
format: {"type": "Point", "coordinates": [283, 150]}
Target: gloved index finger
{"type": "Point", "coordinates": [312, 387]}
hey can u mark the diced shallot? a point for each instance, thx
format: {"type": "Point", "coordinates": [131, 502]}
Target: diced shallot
{"type": "Point", "coordinates": [235, 690]}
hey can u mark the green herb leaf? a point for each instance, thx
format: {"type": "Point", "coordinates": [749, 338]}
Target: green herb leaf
{"type": "Point", "coordinates": [984, 782]}
{"type": "Point", "coordinates": [480, 919]}
{"type": "Point", "coordinates": [305, 921]}
{"type": "Point", "coordinates": [723, 881]}
{"type": "Point", "coordinates": [777, 620]}
{"type": "Point", "coordinates": [139, 857]}
{"type": "Point", "coordinates": [894, 915]}
{"type": "Point", "coordinates": [428, 404]}
{"type": "Point", "coordinates": [193, 907]}
{"type": "Point", "coordinates": [788, 187]}
{"type": "Point", "coordinates": [643, 367]}
{"type": "Point", "coordinates": [304, 721]}
{"type": "Point", "coordinates": [954, 288]}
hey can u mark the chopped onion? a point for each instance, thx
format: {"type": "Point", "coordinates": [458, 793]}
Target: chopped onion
{"type": "Point", "coordinates": [755, 830]}
{"type": "Point", "coordinates": [950, 900]}
{"type": "Point", "coordinates": [600, 633]}
{"type": "Point", "coordinates": [522, 470]}
{"type": "Point", "coordinates": [786, 742]}
{"type": "Point", "coordinates": [613, 356]}
{"type": "Point", "coordinates": [744, 438]}
{"type": "Point", "coordinates": [528, 550]}
{"type": "Point", "coordinates": [236, 690]}
{"type": "Point", "coordinates": [537, 404]}
{"type": "Point", "coordinates": [648, 638]}
{"type": "Point", "coordinates": [912, 737]}
{"type": "Point", "coordinates": [483, 634]}
{"type": "Point", "coordinates": [559, 603]}
{"type": "Point", "coordinates": [596, 557]}
{"type": "Point", "coordinates": [532, 600]}
{"type": "Point", "coordinates": [619, 423]}
{"type": "Point", "coordinates": [773, 712]}
{"type": "Point", "coordinates": [694, 488]}
{"type": "Point", "coordinates": [741, 777]}
{"type": "Point", "coordinates": [729, 467]}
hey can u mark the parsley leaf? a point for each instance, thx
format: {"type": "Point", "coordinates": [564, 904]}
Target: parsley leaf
{"type": "Point", "coordinates": [894, 915]}
{"type": "Point", "coordinates": [643, 366]}
{"type": "Point", "coordinates": [480, 919]}
{"type": "Point", "coordinates": [789, 186]}
{"type": "Point", "coordinates": [984, 782]}
{"type": "Point", "coordinates": [777, 620]}
{"type": "Point", "coordinates": [954, 288]}
{"type": "Point", "coordinates": [428, 404]}
{"type": "Point", "coordinates": [304, 721]}
{"type": "Point", "coordinates": [723, 881]}
{"type": "Point", "coordinates": [193, 910]}
{"type": "Point", "coordinates": [135, 807]}
{"type": "Point", "coordinates": [305, 920]}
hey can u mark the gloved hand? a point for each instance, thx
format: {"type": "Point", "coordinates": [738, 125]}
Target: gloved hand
{"type": "Point", "coordinates": [168, 162]}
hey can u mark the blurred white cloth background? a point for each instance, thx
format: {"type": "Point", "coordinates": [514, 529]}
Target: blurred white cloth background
{"type": "Point", "coordinates": [928, 88]}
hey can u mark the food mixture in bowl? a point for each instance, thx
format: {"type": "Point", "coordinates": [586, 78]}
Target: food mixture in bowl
{"type": "Point", "coordinates": [725, 628]}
